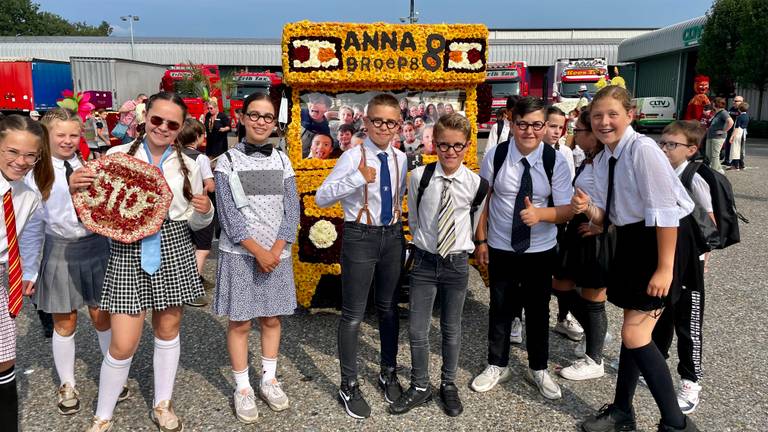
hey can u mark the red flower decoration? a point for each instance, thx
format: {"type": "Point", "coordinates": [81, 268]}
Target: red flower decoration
{"type": "Point", "coordinates": [473, 55]}
{"type": "Point", "coordinates": [301, 53]}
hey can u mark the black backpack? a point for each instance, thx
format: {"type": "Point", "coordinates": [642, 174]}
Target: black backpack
{"type": "Point", "coordinates": [549, 156]}
{"type": "Point", "coordinates": [499, 128]}
{"type": "Point", "coordinates": [723, 207]}
{"type": "Point", "coordinates": [426, 176]}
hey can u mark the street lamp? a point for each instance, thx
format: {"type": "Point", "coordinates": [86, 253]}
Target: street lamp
{"type": "Point", "coordinates": [131, 19]}
{"type": "Point", "coordinates": [413, 17]}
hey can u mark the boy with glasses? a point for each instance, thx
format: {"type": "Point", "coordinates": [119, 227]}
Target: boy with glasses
{"type": "Point", "coordinates": [443, 232]}
{"type": "Point", "coordinates": [369, 181]}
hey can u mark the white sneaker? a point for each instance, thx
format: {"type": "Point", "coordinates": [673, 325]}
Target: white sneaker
{"type": "Point", "coordinates": [543, 380]}
{"type": "Point", "coordinates": [245, 406]}
{"type": "Point", "coordinates": [580, 351]}
{"type": "Point", "coordinates": [688, 396]}
{"type": "Point", "coordinates": [516, 335]}
{"type": "Point", "coordinates": [491, 376]}
{"type": "Point", "coordinates": [583, 369]}
{"type": "Point", "coordinates": [570, 328]}
{"type": "Point", "coordinates": [272, 393]}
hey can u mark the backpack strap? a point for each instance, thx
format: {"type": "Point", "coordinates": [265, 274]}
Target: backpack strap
{"type": "Point", "coordinates": [498, 159]}
{"type": "Point", "coordinates": [499, 128]}
{"type": "Point", "coordinates": [687, 176]}
{"type": "Point", "coordinates": [426, 176]}
{"type": "Point", "coordinates": [549, 156]}
{"type": "Point", "coordinates": [482, 191]}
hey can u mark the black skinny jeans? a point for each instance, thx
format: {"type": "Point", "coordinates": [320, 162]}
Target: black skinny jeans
{"type": "Point", "coordinates": [369, 254]}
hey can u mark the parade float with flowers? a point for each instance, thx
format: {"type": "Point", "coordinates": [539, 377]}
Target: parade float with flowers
{"type": "Point", "coordinates": [347, 64]}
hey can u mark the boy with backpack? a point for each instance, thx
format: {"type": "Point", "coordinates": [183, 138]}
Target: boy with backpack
{"type": "Point", "coordinates": [446, 194]}
{"type": "Point", "coordinates": [679, 141]}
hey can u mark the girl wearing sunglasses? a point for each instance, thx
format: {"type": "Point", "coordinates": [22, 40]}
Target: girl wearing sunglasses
{"type": "Point", "coordinates": [139, 277]}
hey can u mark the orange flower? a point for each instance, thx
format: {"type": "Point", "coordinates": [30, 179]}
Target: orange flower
{"type": "Point", "coordinates": [456, 56]}
{"type": "Point", "coordinates": [326, 54]}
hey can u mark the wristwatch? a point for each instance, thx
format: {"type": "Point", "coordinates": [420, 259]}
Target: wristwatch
{"type": "Point", "coordinates": [479, 242]}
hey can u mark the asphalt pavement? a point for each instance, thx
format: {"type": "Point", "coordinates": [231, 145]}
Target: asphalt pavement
{"type": "Point", "coordinates": [734, 397]}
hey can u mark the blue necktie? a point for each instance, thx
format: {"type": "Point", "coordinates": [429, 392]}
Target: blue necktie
{"type": "Point", "coordinates": [385, 188]}
{"type": "Point", "coordinates": [150, 246]}
{"type": "Point", "coordinates": [521, 233]}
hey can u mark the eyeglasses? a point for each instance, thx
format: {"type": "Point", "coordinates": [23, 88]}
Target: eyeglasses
{"type": "Point", "coordinates": [255, 116]}
{"type": "Point", "coordinates": [457, 147]}
{"type": "Point", "coordinates": [391, 124]}
{"type": "Point", "coordinates": [157, 121]}
{"type": "Point", "coordinates": [523, 125]}
{"type": "Point", "coordinates": [28, 158]}
{"type": "Point", "coordinates": [671, 145]}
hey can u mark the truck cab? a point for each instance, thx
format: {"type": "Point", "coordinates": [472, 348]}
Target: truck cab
{"type": "Point", "coordinates": [247, 83]}
{"type": "Point", "coordinates": [506, 79]}
{"type": "Point", "coordinates": [569, 75]}
{"type": "Point", "coordinates": [174, 76]}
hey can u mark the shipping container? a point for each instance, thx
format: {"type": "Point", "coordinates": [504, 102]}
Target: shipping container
{"type": "Point", "coordinates": [28, 84]}
{"type": "Point", "coordinates": [113, 81]}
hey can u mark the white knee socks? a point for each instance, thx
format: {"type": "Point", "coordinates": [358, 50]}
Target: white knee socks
{"type": "Point", "coordinates": [64, 357]}
{"type": "Point", "coordinates": [165, 362]}
{"type": "Point", "coordinates": [268, 367]}
{"type": "Point", "coordinates": [105, 337]}
{"type": "Point", "coordinates": [114, 374]}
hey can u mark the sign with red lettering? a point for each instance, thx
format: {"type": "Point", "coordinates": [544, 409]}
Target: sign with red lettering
{"type": "Point", "coordinates": [127, 202]}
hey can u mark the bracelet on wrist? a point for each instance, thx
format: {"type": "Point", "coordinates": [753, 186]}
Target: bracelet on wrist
{"type": "Point", "coordinates": [479, 242]}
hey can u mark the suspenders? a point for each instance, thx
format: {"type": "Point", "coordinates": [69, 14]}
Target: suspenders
{"type": "Point", "coordinates": [397, 205]}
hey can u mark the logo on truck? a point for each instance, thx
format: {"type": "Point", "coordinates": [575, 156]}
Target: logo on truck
{"type": "Point", "coordinates": [659, 103]}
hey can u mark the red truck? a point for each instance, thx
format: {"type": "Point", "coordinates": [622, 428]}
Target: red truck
{"type": "Point", "coordinates": [196, 105]}
{"type": "Point", "coordinates": [247, 83]}
{"type": "Point", "coordinates": [506, 79]}
{"type": "Point", "coordinates": [28, 84]}
{"type": "Point", "coordinates": [568, 75]}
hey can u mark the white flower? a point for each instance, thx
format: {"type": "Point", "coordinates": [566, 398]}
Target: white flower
{"type": "Point", "coordinates": [464, 48]}
{"type": "Point", "coordinates": [314, 48]}
{"type": "Point", "coordinates": [323, 234]}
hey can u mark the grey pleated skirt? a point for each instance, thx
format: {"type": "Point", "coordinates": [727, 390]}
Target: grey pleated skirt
{"type": "Point", "coordinates": [71, 273]}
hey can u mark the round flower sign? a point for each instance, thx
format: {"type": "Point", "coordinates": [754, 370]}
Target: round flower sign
{"type": "Point", "coordinates": [128, 200]}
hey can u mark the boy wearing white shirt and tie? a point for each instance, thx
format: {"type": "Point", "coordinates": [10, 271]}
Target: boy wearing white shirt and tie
{"type": "Point", "coordinates": [369, 180]}
{"type": "Point", "coordinates": [445, 195]}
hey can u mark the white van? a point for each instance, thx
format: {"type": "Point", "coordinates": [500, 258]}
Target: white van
{"type": "Point", "coordinates": [654, 112]}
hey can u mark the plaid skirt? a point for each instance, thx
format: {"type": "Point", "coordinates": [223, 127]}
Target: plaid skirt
{"type": "Point", "coordinates": [7, 324]}
{"type": "Point", "coordinates": [129, 290]}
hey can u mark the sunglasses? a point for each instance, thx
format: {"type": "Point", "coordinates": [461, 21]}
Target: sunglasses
{"type": "Point", "coordinates": [157, 121]}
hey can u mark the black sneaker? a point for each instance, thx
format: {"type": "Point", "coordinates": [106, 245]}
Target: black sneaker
{"type": "Point", "coordinates": [609, 419]}
{"type": "Point", "coordinates": [124, 394]}
{"type": "Point", "coordinates": [390, 385]}
{"type": "Point", "coordinates": [409, 400]}
{"type": "Point", "coordinates": [689, 427]}
{"type": "Point", "coordinates": [352, 399]}
{"type": "Point", "coordinates": [449, 395]}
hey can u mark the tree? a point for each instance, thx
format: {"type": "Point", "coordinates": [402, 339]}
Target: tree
{"type": "Point", "coordinates": [719, 40]}
{"type": "Point", "coordinates": [750, 64]}
{"type": "Point", "coordinates": [24, 18]}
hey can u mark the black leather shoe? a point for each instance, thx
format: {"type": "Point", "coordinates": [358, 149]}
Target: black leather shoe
{"type": "Point", "coordinates": [409, 400]}
{"type": "Point", "coordinates": [610, 419]}
{"type": "Point", "coordinates": [449, 395]}
{"type": "Point", "coordinates": [390, 385]}
{"type": "Point", "coordinates": [689, 427]}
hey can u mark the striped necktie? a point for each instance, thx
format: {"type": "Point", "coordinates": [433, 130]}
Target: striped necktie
{"type": "Point", "coordinates": [446, 228]}
{"type": "Point", "coordinates": [14, 260]}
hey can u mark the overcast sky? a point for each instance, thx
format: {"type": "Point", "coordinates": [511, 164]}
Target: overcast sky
{"type": "Point", "coordinates": [265, 18]}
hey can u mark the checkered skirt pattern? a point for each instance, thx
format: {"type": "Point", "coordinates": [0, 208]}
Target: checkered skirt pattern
{"type": "Point", "coordinates": [7, 324]}
{"type": "Point", "coordinates": [128, 289]}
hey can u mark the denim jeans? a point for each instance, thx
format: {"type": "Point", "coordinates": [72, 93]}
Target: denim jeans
{"type": "Point", "coordinates": [432, 274]}
{"type": "Point", "coordinates": [369, 255]}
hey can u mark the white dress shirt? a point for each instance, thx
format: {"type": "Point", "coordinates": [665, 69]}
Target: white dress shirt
{"type": "Point", "coordinates": [702, 196]}
{"type": "Point", "coordinates": [494, 133]}
{"type": "Point", "coordinates": [464, 184]}
{"type": "Point", "coordinates": [345, 183]}
{"type": "Point", "coordinates": [25, 203]}
{"type": "Point", "coordinates": [645, 187]}
{"type": "Point", "coordinates": [181, 209]}
{"type": "Point", "coordinates": [568, 153]}
{"type": "Point", "coordinates": [205, 166]}
{"type": "Point", "coordinates": [586, 178]}
{"type": "Point", "coordinates": [506, 186]}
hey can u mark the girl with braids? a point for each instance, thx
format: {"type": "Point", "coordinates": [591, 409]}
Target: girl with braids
{"type": "Point", "coordinates": [70, 274]}
{"type": "Point", "coordinates": [157, 274]}
{"type": "Point", "coordinates": [23, 145]}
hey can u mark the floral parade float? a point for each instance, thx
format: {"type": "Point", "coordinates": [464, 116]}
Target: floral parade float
{"type": "Point", "coordinates": [348, 63]}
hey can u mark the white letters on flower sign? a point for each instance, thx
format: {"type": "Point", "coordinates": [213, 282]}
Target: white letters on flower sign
{"type": "Point", "coordinates": [144, 199]}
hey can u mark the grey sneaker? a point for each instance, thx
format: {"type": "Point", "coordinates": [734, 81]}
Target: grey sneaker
{"type": "Point", "coordinates": [491, 376]}
{"type": "Point", "coordinates": [546, 385]}
{"type": "Point", "coordinates": [688, 396]}
{"type": "Point", "coordinates": [69, 402]}
{"type": "Point", "coordinates": [570, 328]}
{"type": "Point", "coordinates": [99, 425]}
{"type": "Point", "coordinates": [165, 419]}
{"type": "Point", "coordinates": [516, 332]}
{"type": "Point", "coordinates": [245, 406]}
{"type": "Point", "coordinates": [272, 393]}
{"type": "Point", "coordinates": [583, 369]}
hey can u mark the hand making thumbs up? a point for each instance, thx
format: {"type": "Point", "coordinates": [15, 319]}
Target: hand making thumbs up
{"type": "Point", "coordinates": [529, 215]}
{"type": "Point", "coordinates": [368, 173]}
{"type": "Point", "coordinates": [580, 201]}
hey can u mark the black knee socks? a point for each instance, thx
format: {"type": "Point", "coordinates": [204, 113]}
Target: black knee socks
{"type": "Point", "coordinates": [9, 401]}
{"type": "Point", "coordinates": [566, 301]}
{"type": "Point", "coordinates": [649, 360]}
{"type": "Point", "coordinates": [595, 328]}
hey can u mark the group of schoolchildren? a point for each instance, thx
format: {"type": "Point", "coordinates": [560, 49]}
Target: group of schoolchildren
{"type": "Point", "coordinates": [627, 239]}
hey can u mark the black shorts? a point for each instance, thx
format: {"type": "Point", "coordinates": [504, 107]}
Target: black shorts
{"type": "Point", "coordinates": [203, 239]}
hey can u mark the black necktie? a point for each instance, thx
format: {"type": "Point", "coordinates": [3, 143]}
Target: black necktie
{"type": "Point", "coordinates": [607, 218]}
{"type": "Point", "coordinates": [521, 233]}
{"type": "Point", "coordinates": [68, 170]}
{"type": "Point", "coordinates": [265, 149]}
